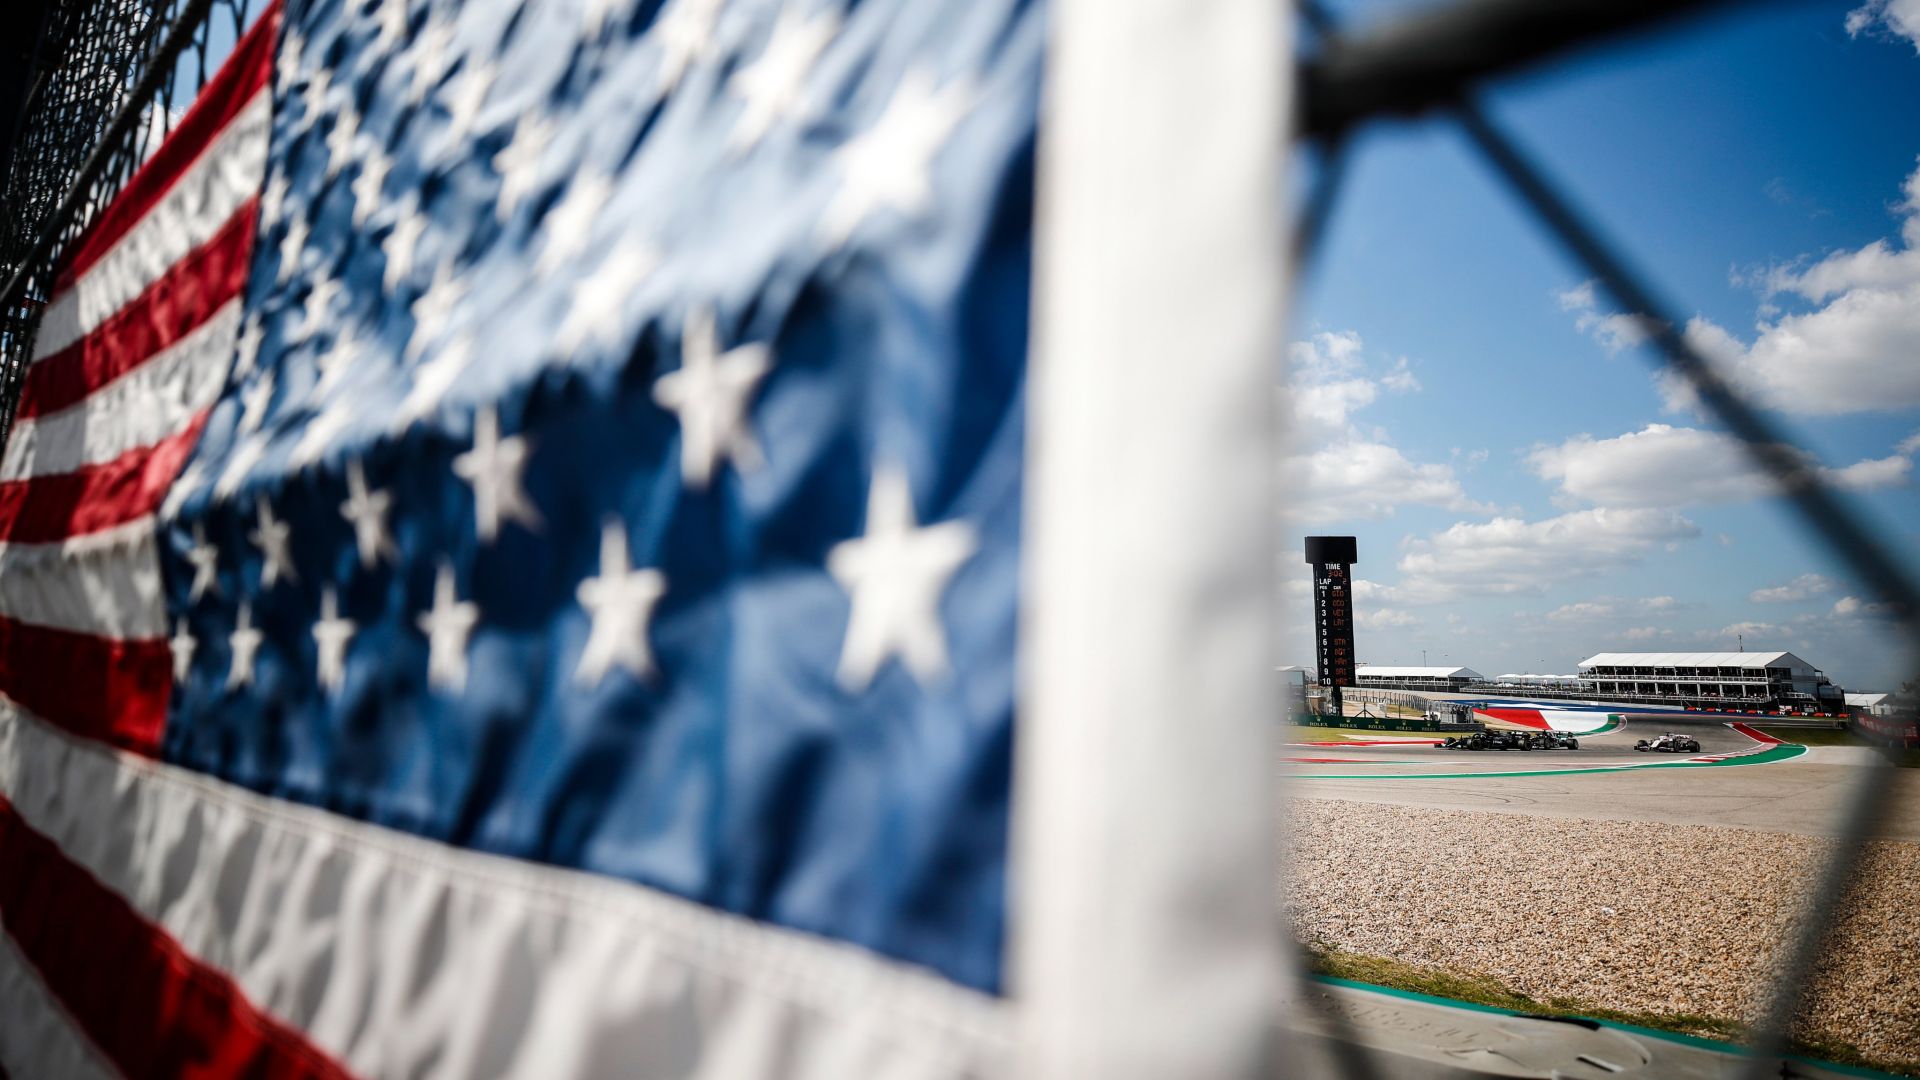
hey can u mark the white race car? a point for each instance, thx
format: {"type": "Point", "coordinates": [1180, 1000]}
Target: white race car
{"type": "Point", "coordinates": [1671, 743]}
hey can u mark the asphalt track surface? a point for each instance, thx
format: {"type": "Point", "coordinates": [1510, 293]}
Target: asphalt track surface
{"type": "Point", "coordinates": [1803, 795]}
{"type": "Point", "coordinates": [1613, 748]}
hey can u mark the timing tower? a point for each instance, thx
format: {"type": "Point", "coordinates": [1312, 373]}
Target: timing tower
{"type": "Point", "coordinates": [1332, 559]}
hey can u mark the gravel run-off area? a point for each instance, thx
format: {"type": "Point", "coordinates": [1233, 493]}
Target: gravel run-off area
{"type": "Point", "coordinates": [1634, 916]}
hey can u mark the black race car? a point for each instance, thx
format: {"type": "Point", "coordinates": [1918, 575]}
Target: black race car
{"type": "Point", "coordinates": [1671, 743]}
{"type": "Point", "coordinates": [1553, 740]}
{"type": "Point", "coordinates": [1488, 740]}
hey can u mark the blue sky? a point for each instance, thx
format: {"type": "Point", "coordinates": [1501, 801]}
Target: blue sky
{"type": "Point", "coordinates": [1525, 491]}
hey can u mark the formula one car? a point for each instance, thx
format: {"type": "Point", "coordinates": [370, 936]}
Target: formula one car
{"type": "Point", "coordinates": [1487, 740]}
{"type": "Point", "coordinates": [1670, 743]}
{"type": "Point", "coordinates": [1553, 740]}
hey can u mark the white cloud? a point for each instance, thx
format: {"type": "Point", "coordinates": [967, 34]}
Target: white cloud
{"type": "Point", "coordinates": [1323, 410]}
{"type": "Point", "coordinates": [1339, 471]}
{"type": "Point", "coordinates": [1909, 445]}
{"type": "Point", "coordinates": [1804, 587]}
{"type": "Point", "coordinates": [1662, 465]}
{"type": "Point", "coordinates": [1360, 479]}
{"type": "Point", "coordinates": [1658, 603]}
{"type": "Point", "coordinates": [1646, 633]}
{"type": "Point", "coordinates": [1874, 474]}
{"type": "Point", "coordinates": [1899, 17]}
{"type": "Point", "coordinates": [1750, 629]}
{"type": "Point", "coordinates": [1853, 352]}
{"type": "Point", "coordinates": [1854, 607]}
{"type": "Point", "coordinates": [1326, 355]}
{"type": "Point", "coordinates": [1509, 555]}
{"type": "Point", "coordinates": [1614, 332]}
{"type": "Point", "coordinates": [1401, 379]}
{"type": "Point", "coordinates": [1384, 617]}
{"type": "Point", "coordinates": [1581, 611]}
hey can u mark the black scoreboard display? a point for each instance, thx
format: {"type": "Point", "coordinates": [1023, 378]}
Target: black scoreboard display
{"type": "Point", "coordinates": [1332, 559]}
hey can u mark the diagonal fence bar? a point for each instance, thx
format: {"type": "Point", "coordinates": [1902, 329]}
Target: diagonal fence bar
{"type": "Point", "coordinates": [1426, 60]}
{"type": "Point", "coordinates": [1825, 516]}
{"type": "Point", "coordinates": [1432, 60]}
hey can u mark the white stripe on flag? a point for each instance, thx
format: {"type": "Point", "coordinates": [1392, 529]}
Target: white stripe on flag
{"type": "Point", "coordinates": [1147, 943]}
{"type": "Point", "coordinates": [198, 205]}
{"type": "Point", "coordinates": [153, 401]}
{"type": "Point", "coordinates": [398, 955]}
{"type": "Point", "coordinates": [105, 583]}
{"type": "Point", "coordinates": [41, 1040]}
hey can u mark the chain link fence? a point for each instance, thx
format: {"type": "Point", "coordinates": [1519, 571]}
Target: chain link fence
{"type": "Point", "coordinates": [115, 76]}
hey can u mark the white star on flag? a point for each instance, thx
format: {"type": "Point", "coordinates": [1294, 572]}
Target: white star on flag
{"type": "Point", "coordinates": [464, 100]}
{"type": "Point", "coordinates": [594, 18]}
{"type": "Point", "coordinates": [274, 197]}
{"type": "Point", "coordinates": [245, 643]}
{"type": "Point", "coordinates": [569, 224]}
{"type": "Point", "coordinates": [620, 601]}
{"type": "Point", "coordinates": [894, 577]}
{"type": "Point", "coordinates": [318, 307]}
{"type": "Point", "coordinates": [366, 186]}
{"type": "Point", "coordinates": [292, 243]}
{"type": "Point", "coordinates": [346, 128]}
{"type": "Point", "coordinates": [518, 162]}
{"type": "Point", "coordinates": [496, 469]}
{"type": "Point", "coordinates": [430, 59]}
{"type": "Point", "coordinates": [287, 68]}
{"type": "Point", "coordinates": [273, 538]}
{"type": "Point", "coordinates": [772, 88]}
{"type": "Point", "coordinates": [593, 311]}
{"type": "Point", "coordinates": [330, 637]}
{"type": "Point", "coordinates": [182, 644]}
{"type": "Point", "coordinates": [254, 400]}
{"type": "Point", "coordinates": [247, 348]}
{"type": "Point", "coordinates": [447, 625]}
{"type": "Point", "coordinates": [433, 309]}
{"type": "Point", "coordinates": [393, 23]}
{"type": "Point", "coordinates": [889, 165]}
{"type": "Point", "coordinates": [685, 33]}
{"type": "Point", "coordinates": [206, 565]}
{"type": "Point", "coordinates": [319, 85]}
{"type": "Point", "coordinates": [402, 242]}
{"type": "Point", "coordinates": [366, 511]}
{"type": "Point", "coordinates": [710, 394]}
{"type": "Point", "coordinates": [334, 363]}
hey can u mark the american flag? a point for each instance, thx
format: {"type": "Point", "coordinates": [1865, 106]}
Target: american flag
{"type": "Point", "coordinates": [513, 553]}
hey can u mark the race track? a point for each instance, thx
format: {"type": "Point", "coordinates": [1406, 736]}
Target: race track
{"type": "Point", "coordinates": [1781, 790]}
{"type": "Point", "coordinates": [1388, 756]}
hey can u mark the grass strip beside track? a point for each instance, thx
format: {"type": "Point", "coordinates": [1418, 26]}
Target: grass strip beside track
{"type": "Point", "coordinates": [1906, 759]}
{"type": "Point", "coordinates": [1396, 978]}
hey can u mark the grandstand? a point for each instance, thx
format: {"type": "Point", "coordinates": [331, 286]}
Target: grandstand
{"type": "Point", "coordinates": [1748, 680]}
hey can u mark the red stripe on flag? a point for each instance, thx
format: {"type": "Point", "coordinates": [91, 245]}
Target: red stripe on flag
{"type": "Point", "coordinates": [246, 71]}
{"type": "Point", "coordinates": [152, 1009]}
{"type": "Point", "coordinates": [105, 689]}
{"type": "Point", "coordinates": [46, 509]}
{"type": "Point", "coordinates": [169, 310]}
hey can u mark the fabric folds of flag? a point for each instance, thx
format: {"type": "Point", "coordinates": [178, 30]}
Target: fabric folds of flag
{"type": "Point", "coordinates": [515, 560]}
